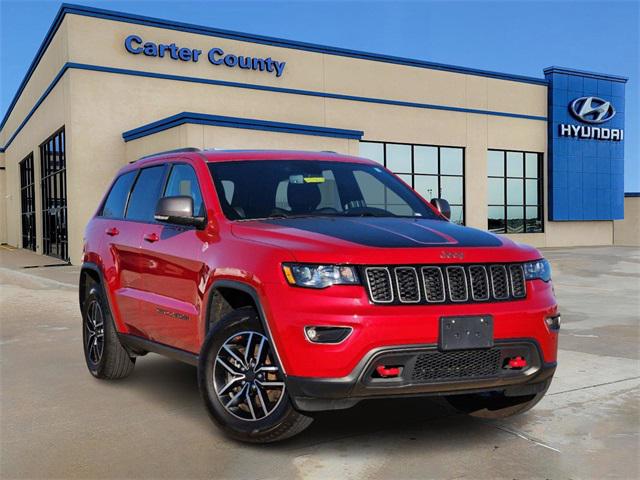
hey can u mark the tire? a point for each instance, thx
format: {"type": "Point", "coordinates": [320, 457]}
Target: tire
{"type": "Point", "coordinates": [243, 387]}
{"type": "Point", "coordinates": [105, 356]}
{"type": "Point", "coordinates": [495, 405]}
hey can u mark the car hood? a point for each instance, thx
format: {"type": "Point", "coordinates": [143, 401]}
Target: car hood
{"type": "Point", "coordinates": [368, 240]}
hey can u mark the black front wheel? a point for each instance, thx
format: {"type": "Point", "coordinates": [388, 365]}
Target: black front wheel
{"type": "Point", "coordinates": [241, 382]}
{"type": "Point", "coordinates": [105, 356]}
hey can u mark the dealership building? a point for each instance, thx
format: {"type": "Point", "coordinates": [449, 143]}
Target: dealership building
{"type": "Point", "coordinates": [538, 159]}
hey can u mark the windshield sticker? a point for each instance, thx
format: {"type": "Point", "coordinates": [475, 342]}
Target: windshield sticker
{"type": "Point", "coordinates": [314, 180]}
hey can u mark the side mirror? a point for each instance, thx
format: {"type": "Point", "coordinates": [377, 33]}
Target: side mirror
{"type": "Point", "coordinates": [178, 210]}
{"type": "Point", "coordinates": [442, 206]}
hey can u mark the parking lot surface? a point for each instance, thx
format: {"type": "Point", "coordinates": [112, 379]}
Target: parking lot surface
{"type": "Point", "coordinates": [56, 421]}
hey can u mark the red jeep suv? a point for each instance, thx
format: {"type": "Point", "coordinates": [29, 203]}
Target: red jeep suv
{"type": "Point", "coordinates": [307, 281]}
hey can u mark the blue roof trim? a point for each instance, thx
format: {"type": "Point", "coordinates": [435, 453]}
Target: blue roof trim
{"type": "Point", "coordinates": [236, 122]}
{"type": "Point", "coordinates": [207, 81]}
{"type": "Point", "coordinates": [585, 73]}
{"type": "Point", "coordinates": [66, 8]}
{"type": "Point", "coordinates": [632, 194]}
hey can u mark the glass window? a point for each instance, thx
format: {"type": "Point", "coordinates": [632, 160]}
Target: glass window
{"type": "Point", "coordinates": [531, 165]}
{"type": "Point", "coordinates": [515, 164]}
{"type": "Point", "coordinates": [378, 195]}
{"type": "Point", "coordinates": [228, 187]}
{"type": "Point", "coordinates": [515, 191]}
{"type": "Point", "coordinates": [145, 194]}
{"type": "Point", "coordinates": [117, 200]}
{"type": "Point", "coordinates": [451, 161]}
{"type": "Point", "coordinates": [534, 219]}
{"type": "Point", "coordinates": [457, 214]}
{"type": "Point", "coordinates": [183, 181]}
{"type": "Point", "coordinates": [372, 151]}
{"type": "Point", "coordinates": [519, 209]}
{"type": "Point", "coordinates": [531, 187]}
{"type": "Point", "coordinates": [495, 163]}
{"type": "Point", "coordinates": [432, 171]}
{"type": "Point", "coordinates": [425, 160]}
{"type": "Point", "coordinates": [427, 186]}
{"type": "Point", "coordinates": [289, 188]}
{"type": "Point", "coordinates": [281, 195]}
{"type": "Point", "coordinates": [496, 219]}
{"type": "Point", "coordinates": [329, 196]}
{"type": "Point", "coordinates": [398, 158]}
{"type": "Point", "coordinates": [496, 191]}
{"type": "Point", "coordinates": [451, 189]}
{"type": "Point", "coordinates": [515, 220]}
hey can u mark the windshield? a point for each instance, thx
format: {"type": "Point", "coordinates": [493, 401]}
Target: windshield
{"type": "Point", "coordinates": [295, 188]}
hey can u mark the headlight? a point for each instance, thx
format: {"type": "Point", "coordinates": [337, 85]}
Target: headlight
{"type": "Point", "coordinates": [539, 269]}
{"type": "Point", "coordinates": [320, 276]}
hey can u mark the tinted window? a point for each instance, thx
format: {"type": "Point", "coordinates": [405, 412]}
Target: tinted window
{"type": "Point", "coordinates": [377, 194]}
{"type": "Point", "coordinates": [288, 188]}
{"type": "Point", "coordinates": [183, 181]}
{"type": "Point", "coordinates": [145, 195]}
{"type": "Point", "coordinates": [117, 199]}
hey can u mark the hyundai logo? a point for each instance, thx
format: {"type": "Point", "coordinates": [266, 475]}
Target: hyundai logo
{"type": "Point", "coordinates": [592, 109]}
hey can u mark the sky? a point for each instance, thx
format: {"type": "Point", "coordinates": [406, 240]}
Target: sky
{"type": "Point", "coordinates": [516, 36]}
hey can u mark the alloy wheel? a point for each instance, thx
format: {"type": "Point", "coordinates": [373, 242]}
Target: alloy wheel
{"type": "Point", "coordinates": [247, 381]}
{"type": "Point", "coordinates": [94, 332]}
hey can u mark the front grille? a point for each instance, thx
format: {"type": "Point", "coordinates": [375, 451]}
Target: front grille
{"type": "Point", "coordinates": [379, 281]}
{"type": "Point", "coordinates": [408, 288]}
{"type": "Point", "coordinates": [430, 284]}
{"type": "Point", "coordinates": [433, 284]}
{"type": "Point", "coordinates": [517, 281]}
{"type": "Point", "coordinates": [479, 283]}
{"type": "Point", "coordinates": [463, 364]}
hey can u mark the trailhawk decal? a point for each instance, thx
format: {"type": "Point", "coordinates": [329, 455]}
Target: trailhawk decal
{"type": "Point", "coordinates": [392, 232]}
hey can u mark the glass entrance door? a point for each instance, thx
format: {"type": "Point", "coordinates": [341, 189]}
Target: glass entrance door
{"type": "Point", "coordinates": [28, 203]}
{"type": "Point", "coordinates": [54, 196]}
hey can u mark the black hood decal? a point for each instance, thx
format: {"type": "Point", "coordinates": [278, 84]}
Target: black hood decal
{"type": "Point", "coordinates": [389, 232]}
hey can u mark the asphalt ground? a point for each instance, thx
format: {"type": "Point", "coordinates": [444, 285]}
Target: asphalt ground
{"type": "Point", "coordinates": [56, 421]}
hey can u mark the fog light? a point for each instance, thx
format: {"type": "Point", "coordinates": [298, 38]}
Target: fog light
{"type": "Point", "coordinates": [312, 334]}
{"type": "Point", "coordinates": [553, 322]}
{"type": "Point", "coordinates": [327, 334]}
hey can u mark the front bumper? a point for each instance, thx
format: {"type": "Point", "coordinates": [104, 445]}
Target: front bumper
{"type": "Point", "coordinates": [318, 394]}
{"type": "Point", "coordinates": [289, 309]}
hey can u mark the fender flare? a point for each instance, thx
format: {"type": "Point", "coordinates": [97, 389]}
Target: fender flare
{"type": "Point", "coordinates": [96, 269]}
{"type": "Point", "coordinates": [249, 290]}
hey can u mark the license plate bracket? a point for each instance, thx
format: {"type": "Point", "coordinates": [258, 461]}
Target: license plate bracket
{"type": "Point", "coordinates": [467, 332]}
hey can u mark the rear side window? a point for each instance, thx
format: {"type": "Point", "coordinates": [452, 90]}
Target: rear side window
{"type": "Point", "coordinates": [145, 195]}
{"type": "Point", "coordinates": [183, 181]}
{"type": "Point", "coordinates": [117, 199]}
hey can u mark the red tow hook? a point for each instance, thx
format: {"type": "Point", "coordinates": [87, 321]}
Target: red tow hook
{"type": "Point", "coordinates": [387, 372]}
{"type": "Point", "coordinates": [516, 362]}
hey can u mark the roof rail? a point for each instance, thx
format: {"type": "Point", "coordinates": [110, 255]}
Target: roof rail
{"type": "Point", "coordinates": [177, 150]}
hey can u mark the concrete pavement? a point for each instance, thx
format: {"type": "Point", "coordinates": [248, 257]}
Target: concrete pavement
{"type": "Point", "coordinates": [56, 421]}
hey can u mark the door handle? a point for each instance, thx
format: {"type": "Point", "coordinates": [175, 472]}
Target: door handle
{"type": "Point", "coordinates": [112, 232]}
{"type": "Point", "coordinates": [151, 237]}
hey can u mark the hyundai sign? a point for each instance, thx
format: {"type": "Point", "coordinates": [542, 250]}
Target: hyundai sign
{"type": "Point", "coordinates": [591, 110]}
{"type": "Point", "coordinates": [586, 145]}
